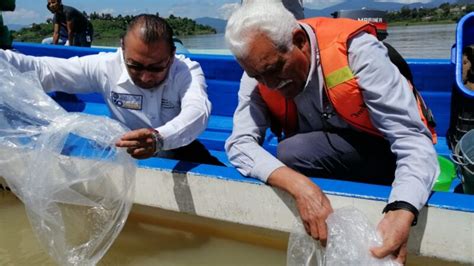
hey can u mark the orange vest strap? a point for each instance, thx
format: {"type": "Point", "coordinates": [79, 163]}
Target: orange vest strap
{"type": "Point", "coordinates": [283, 112]}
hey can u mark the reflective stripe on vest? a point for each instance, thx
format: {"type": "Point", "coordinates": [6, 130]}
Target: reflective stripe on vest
{"type": "Point", "coordinates": [341, 85]}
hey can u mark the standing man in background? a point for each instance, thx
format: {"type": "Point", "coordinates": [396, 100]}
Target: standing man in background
{"type": "Point", "coordinates": [70, 22]}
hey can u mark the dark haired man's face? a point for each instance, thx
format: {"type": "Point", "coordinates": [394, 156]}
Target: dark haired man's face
{"type": "Point", "coordinates": [147, 64]}
{"type": "Point", "coordinates": [54, 6]}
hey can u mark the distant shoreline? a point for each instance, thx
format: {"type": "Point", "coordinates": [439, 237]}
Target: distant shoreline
{"type": "Point", "coordinates": [417, 23]}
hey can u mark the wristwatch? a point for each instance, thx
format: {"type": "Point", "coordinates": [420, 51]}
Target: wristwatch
{"type": "Point", "coordinates": [157, 140]}
{"type": "Point", "coordinates": [402, 205]}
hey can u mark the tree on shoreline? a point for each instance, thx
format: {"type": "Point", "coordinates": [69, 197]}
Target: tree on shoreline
{"type": "Point", "coordinates": [445, 12]}
{"type": "Point", "coordinates": [108, 29]}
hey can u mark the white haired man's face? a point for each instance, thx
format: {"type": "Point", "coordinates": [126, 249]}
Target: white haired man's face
{"type": "Point", "coordinates": [284, 71]}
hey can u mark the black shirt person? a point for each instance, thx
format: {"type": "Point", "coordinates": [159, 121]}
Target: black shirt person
{"type": "Point", "coordinates": [78, 27]}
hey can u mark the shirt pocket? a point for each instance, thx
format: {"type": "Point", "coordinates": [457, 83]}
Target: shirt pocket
{"type": "Point", "coordinates": [169, 109]}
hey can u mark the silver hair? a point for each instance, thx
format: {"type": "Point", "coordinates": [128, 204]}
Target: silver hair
{"type": "Point", "coordinates": [269, 17]}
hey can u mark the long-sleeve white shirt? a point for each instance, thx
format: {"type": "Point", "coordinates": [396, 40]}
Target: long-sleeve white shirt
{"type": "Point", "coordinates": [178, 108]}
{"type": "Point", "coordinates": [392, 108]}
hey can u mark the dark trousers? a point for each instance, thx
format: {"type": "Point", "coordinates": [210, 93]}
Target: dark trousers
{"type": "Point", "coordinates": [84, 39]}
{"type": "Point", "coordinates": [347, 155]}
{"type": "Point", "coordinates": [194, 152]}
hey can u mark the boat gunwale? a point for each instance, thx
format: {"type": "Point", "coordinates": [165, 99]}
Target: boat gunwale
{"type": "Point", "coordinates": [441, 200]}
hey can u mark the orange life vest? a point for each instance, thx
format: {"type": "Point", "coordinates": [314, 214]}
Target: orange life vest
{"type": "Point", "coordinates": [340, 84]}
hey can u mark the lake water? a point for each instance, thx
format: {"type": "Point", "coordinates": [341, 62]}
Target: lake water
{"type": "Point", "coordinates": [422, 41]}
{"type": "Point", "coordinates": [157, 237]}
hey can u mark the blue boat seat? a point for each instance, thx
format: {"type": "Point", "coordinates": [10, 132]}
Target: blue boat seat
{"type": "Point", "coordinates": [220, 123]}
{"type": "Point", "coordinates": [223, 84]}
{"type": "Point", "coordinates": [218, 130]}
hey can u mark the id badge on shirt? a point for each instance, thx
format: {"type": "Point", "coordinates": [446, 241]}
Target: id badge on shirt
{"type": "Point", "coordinates": [128, 101]}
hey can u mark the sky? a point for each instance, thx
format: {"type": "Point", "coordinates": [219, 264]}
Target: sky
{"type": "Point", "coordinates": [34, 11]}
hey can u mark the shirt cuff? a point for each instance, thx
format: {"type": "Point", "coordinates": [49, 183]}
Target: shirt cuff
{"type": "Point", "coordinates": [165, 131]}
{"type": "Point", "coordinates": [265, 166]}
{"type": "Point", "coordinates": [413, 193]}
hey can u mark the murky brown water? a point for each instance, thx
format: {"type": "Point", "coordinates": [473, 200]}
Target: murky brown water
{"type": "Point", "coordinates": [158, 237]}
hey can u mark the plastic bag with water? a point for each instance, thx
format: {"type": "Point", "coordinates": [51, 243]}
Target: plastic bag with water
{"type": "Point", "coordinates": [350, 236]}
{"type": "Point", "coordinates": [77, 187]}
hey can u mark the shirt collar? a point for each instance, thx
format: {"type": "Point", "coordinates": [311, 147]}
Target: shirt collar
{"type": "Point", "coordinates": [124, 77]}
{"type": "Point", "coordinates": [314, 55]}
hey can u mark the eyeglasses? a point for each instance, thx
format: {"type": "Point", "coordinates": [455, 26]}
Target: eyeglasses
{"type": "Point", "coordinates": [139, 68]}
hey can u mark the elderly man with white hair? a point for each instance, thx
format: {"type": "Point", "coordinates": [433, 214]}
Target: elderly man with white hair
{"type": "Point", "coordinates": [341, 109]}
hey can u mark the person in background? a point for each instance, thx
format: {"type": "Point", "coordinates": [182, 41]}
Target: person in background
{"type": "Point", "coordinates": [341, 109]}
{"type": "Point", "coordinates": [468, 66]}
{"type": "Point", "coordinates": [294, 6]}
{"type": "Point", "coordinates": [159, 95]}
{"type": "Point", "coordinates": [70, 22]}
{"type": "Point", "coordinates": [462, 106]}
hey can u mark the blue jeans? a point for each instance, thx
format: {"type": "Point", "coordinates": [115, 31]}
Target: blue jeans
{"type": "Point", "coordinates": [49, 40]}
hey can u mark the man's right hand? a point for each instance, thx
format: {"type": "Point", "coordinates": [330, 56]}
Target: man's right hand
{"type": "Point", "coordinates": [313, 205]}
{"type": "Point", "coordinates": [140, 143]}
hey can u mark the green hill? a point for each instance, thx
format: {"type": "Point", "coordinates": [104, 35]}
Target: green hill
{"type": "Point", "coordinates": [445, 13]}
{"type": "Point", "coordinates": [109, 29]}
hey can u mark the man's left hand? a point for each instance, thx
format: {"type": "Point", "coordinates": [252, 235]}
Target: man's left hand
{"type": "Point", "coordinates": [140, 143]}
{"type": "Point", "coordinates": [394, 228]}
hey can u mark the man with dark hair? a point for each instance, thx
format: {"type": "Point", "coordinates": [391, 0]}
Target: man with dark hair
{"type": "Point", "coordinates": [159, 95]}
{"type": "Point", "coordinates": [70, 22]}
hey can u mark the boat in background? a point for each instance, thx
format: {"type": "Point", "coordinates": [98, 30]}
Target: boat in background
{"type": "Point", "coordinates": [445, 226]}
{"type": "Point", "coordinates": [376, 17]}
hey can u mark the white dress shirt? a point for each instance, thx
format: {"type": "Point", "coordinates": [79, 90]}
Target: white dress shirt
{"type": "Point", "coordinates": [178, 108]}
{"type": "Point", "coordinates": [392, 108]}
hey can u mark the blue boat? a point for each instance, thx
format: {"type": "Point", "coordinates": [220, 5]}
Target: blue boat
{"type": "Point", "coordinates": [445, 227]}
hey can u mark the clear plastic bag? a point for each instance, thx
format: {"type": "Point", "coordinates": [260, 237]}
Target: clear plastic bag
{"type": "Point", "coordinates": [77, 187]}
{"type": "Point", "coordinates": [350, 236]}
{"type": "Point", "coordinates": [303, 250]}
